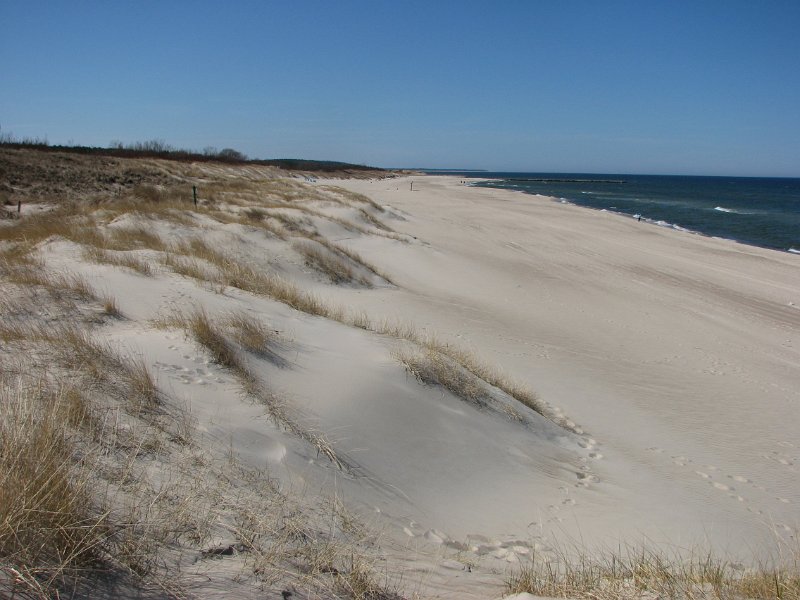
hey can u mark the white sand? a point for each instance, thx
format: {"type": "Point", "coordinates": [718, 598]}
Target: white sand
{"type": "Point", "coordinates": [676, 354]}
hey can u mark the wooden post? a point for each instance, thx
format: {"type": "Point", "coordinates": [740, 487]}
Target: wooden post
{"type": "Point", "coordinates": [194, 194]}
{"type": "Point", "coordinates": [412, 186]}
{"type": "Point", "coordinates": [19, 206]}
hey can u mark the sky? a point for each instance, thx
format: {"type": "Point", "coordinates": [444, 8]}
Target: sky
{"type": "Point", "coordinates": [661, 87]}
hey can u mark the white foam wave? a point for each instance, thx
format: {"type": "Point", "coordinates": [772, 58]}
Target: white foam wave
{"type": "Point", "coordinates": [723, 209]}
{"type": "Point", "coordinates": [794, 250]}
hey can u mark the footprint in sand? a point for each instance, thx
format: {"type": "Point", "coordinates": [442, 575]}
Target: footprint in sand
{"type": "Point", "coordinates": [595, 455]}
{"type": "Point", "coordinates": [779, 458]}
{"type": "Point", "coordinates": [722, 486]}
{"type": "Point", "coordinates": [569, 502]}
{"type": "Point", "coordinates": [739, 479]}
{"type": "Point", "coordinates": [703, 475]}
{"type": "Point", "coordinates": [656, 449]}
{"type": "Point", "coordinates": [587, 477]}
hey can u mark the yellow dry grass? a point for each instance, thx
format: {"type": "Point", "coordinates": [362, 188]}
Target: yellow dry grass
{"type": "Point", "coordinates": [638, 573]}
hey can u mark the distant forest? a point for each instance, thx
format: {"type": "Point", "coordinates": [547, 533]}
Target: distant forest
{"type": "Point", "coordinates": [159, 149]}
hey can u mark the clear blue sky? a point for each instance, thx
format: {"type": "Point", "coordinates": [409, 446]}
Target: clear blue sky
{"type": "Point", "coordinates": [687, 87]}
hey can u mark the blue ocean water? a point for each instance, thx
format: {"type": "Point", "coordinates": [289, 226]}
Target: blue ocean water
{"type": "Point", "coordinates": [759, 211]}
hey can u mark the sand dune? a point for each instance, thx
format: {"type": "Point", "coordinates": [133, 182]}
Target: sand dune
{"type": "Point", "coordinates": [666, 365]}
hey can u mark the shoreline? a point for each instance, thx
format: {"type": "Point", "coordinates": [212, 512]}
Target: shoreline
{"type": "Point", "coordinates": [634, 213]}
{"type": "Point", "coordinates": [664, 224]}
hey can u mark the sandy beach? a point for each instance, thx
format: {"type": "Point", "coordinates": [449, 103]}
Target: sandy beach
{"type": "Point", "coordinates": [676, 354]}
{"type": "Point", "coordinates": [665, 367]}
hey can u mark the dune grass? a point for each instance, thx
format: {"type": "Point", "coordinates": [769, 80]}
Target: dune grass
{"type": "Point", "coordinates": [90, 493]}
{"type": "Point", "coordinates": [216, 336]}
{"type": "Point", "coordinates": [31, 272]}
{"type": "Point", "coordinates": [251, 334]}
{"type": "Point", "coordinates": [134, 238]}
{"type": "Point", "coordinates": [353, 256]}
{"type": "Point", "coordinates": [187, 266]}
{"type": "Point", "coordinates": [434, 361]}
{"type": "Point", "coordinates": [352, 197]}
{"type": "Point", "coordinates": [50, 528]}
{"type": "Point", "coordinates": [636, 573]}
{"type": "Point", "coordinates": [233, 273]}
{"type": "Point", "coordinates": [110, 306]}
{"type": "Point", "coordinates": [328, 263]}
{"type": "Point", "coordinates": [118, 259]}
{"type": "Point", "coordinates": [431, 367]}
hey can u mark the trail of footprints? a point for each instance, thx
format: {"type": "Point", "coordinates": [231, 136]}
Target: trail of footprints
{"type": "Point", "coordinates": [736, 485]}
{"type": "Point", "coordinates": [200, 375]}
{"type": "Point", "coordinates": [584, 473]}
{"type": "Point", "coordinates": [510, 549]}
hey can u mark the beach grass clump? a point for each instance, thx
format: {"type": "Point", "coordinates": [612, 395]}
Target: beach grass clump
{"type": "Point", "coordinates": [134, 238]}
{"type": "Point", "coordinates": [33, 274]}
{"type": "Point", "coordinates": [434, 359]}
{"type": "Point", "coordinates": [209, 335]}
{"type": "Point", "coordinates": [49, 528]}
{"type": "Point", "coordinates": [233, 273]}
{"type": "Point", "coordinates": [187, 266]}
{"type": "Point", "coordinates": [127, 377]}
{"type": "Point", "coordinates": [251, 333]}
{"type": "Point", "coordinates": [353, 256]}
{"type": "Point", "coordinates": [352, 197]}
{"type": "Point", "coordinates": [496, 378]}
{"type": "Point", "coordinates": [110, 306]}
{"type": "Point", "coordinates": [135, 372]}
{"type": "Point", "coordinates": [118, 259]}
{"type": "Point", "coordinates": [292, 224]}
{"type": "Point", "coordinates": [328, 263]}
{"type": "Point", "coordinates": [639, 573]}
{"type": "Point", "coordinates": [431, 367]}
{"type": "Point", "coordinates": [374, 221]}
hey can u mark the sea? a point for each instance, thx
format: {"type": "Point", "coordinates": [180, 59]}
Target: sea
{"type": "Point", "coordinates": [761, 211]}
